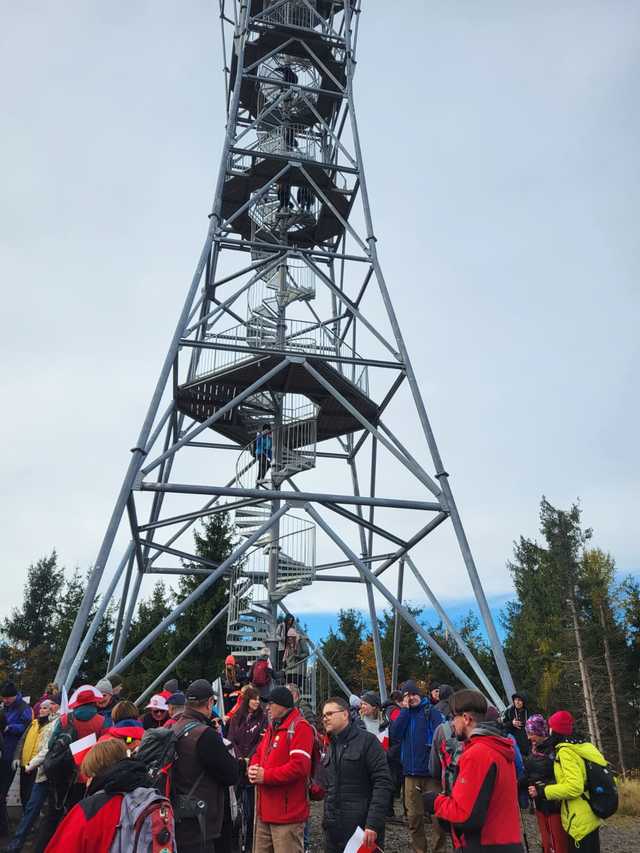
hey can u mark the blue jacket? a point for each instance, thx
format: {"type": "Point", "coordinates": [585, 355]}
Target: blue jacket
{"type": "Point", "coordinates": [264, 443]}
{"type": "Point", "coordinates": [413, 729]}
{"type": "Point", "coordinates": [18, 716]}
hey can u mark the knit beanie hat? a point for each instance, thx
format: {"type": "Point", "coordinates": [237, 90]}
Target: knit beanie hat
{"type": "Point", "coordinates": [371, 698]}
{"type": "Point", "coordinates": [561, 723]}
{"type": "Point", "coordinates": [354, 701]}
{"type": "Point", "coordinates": [8, 689]}
{"type": "Point", "coordinates": [105, 686]}
{"type": "Point", "coordinates": [537, 725]}
{"type": "Point", "coordinates": [410, 687]}
{"type": "Point", "coordinates": [281, 696]}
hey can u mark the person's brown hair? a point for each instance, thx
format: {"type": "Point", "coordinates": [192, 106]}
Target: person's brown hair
{"type": "Point", "coordinates": [469, 702]}
{"type": "Point", "coordinates": [248, 693]}
{"type": "Point", "coordinates": [103, 756]}
{"type": "Point", "coordinates": [124, 710]}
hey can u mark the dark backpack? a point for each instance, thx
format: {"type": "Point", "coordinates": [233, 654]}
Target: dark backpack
{"type": "Point", "coordinates": [146, 824]}
{"type": "Point", "coordinates": [158, 751]}
{"type": "Point", "coordinates": [601, 790]}
{"type": "Point", "coordinates": [450, 752]}
{"type": "Point", "coordinates": [319, 777]}
{"type": "Point", "coordinates": [59, 766]}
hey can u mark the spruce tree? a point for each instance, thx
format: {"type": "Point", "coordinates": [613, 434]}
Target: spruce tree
{"type": "Point", "coordinates": [214, 542]}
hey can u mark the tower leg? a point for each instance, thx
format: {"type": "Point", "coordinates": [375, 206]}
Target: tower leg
{"type": "Point", "coordinates": [397, 626]}
{"type": "Point", "coordinates": [441, 474]}
{"type": "Point", "coordinates": [139, 451]}
{"type": "Point", "coordinates": [97, 619]}
{"type": "Point", "coordinates": [406, 615]}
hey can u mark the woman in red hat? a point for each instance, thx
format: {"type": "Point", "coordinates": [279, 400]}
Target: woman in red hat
{"type": "Point", "coordinates": [570, 788]}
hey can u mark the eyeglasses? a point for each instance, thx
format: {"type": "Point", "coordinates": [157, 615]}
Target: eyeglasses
{"type": "Point", "coordinates": [328, 714]}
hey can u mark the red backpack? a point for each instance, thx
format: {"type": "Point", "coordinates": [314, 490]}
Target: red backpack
{"type": "Point", "coordinates": [260, 676]}
{"type": "Point", "coordinates": [318, 782]}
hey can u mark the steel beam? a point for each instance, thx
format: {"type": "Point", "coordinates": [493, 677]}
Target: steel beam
{"type": "Point", "coordinates": [271, 494]}
{"type": "Point", "coordinates": [406, 615]}
{"type": "Point", "coordinates": [139, 449]}
{"type": "Point", "coordinates": [397, 627]}
{"type": "Point", "coordinates": [236, 554]}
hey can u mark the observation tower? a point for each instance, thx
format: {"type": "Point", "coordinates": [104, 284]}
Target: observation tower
{"type": "Point", "coordinates": [274, 399]}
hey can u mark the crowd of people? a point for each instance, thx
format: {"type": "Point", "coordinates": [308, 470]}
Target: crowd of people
{"type": "Point", "coordinates": [193, 772]}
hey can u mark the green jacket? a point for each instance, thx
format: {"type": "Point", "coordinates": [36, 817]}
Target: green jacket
{"type": "Point", "coordinates": [571, 779]}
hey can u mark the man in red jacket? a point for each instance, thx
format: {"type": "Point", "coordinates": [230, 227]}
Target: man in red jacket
{"type": "Point", "coordinates": [280, 767]}
{"type": "Point", "coordinates": [483, 806]}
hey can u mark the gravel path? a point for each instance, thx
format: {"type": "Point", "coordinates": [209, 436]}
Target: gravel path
{"type": "Point", "coordinates": [618, 836]}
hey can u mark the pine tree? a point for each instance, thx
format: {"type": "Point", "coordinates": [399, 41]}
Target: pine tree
{"type": "Point", "coordinates": [214, 543]}
{"type": "Point", "coordinates": [412, 658]}
{"type": "Point", "coordinates": [342, 648]}
{"type": "Point", "coordinates": [151, 612]}
{"type": "Point", "coordinates": [30, 631]}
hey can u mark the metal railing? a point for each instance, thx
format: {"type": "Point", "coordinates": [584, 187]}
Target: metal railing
{"type": "Point", "coordinates": [293, 446]}
{"type": "Point", "coordinates": [301, 337]}
{"type": "Point", "coordinates": [291, 13]}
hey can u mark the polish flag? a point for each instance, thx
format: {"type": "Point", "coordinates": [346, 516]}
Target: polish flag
{"type": "Point", "coordinates": [383, 737]}
{"type": "Point", "coordinates": [79, 748]}
{"type": "Point", "coordinates": [356, 843]}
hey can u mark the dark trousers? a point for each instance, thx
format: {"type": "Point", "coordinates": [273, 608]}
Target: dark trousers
{"type": "Point", "coordinates": [589, 844]}
{"type": "Point", "coordinates": [264, 463]}
{"type": "Point", "coordinates": [6, 778]}
{"type": "Point", "coordinates": [248, 794]}
{"type": "Point", "coordinates": [57, 806]}
{"type": "Point", "coordinates": [30, 816]}
{"type": "Point", "coordinates": [26, 785]}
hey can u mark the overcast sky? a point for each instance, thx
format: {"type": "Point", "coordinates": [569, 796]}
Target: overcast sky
{"type": "Point", "coordinates": [501, 146]}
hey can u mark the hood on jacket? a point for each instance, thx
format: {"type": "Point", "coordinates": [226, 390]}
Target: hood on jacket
{"type": "Point", "coordinates": [587, 751]}
{"type": "Point", "coordinates": [123, 777]}
{"type": "Point", "coordinates": [446, 692]}
{"type": "Point", "coordinates": [520, 694]}
{"type": "Point", "coordinates": [492, 736]}
{"type": "Point", "coordinates": [128, 724]}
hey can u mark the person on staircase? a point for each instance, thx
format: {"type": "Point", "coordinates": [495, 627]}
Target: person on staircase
{"type": "Point", "coordinates": [263, 450]}
{"type": "Point", "coordinates": [261, 674]}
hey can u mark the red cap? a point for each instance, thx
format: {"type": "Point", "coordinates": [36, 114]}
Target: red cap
{"type": "Point", "coordinates": [230, 660]}
{"type": "Point", "coordinates": [85, 695]}
{"type": "Point", "coordinates": [561, 723]}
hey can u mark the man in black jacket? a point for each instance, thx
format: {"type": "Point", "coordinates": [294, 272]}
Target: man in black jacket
{"type": "Point", "coordinates": [359, 783]}
{"type": "Point", "coordinates": [203, 771]}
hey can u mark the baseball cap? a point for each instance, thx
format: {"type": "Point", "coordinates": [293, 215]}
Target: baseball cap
{"type": "Point", "coordinates": [199, 690]}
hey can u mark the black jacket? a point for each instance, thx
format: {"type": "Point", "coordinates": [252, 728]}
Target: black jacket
{"type": "Point", "coordinates": [202, 757]}
{"type": "Point", "coordinates": [359, 784]}
{"type": "Point", "coordinates": [519, 732]}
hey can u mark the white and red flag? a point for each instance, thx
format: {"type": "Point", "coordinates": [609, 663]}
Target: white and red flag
{"type": "Point", "coordinates": [383, 737]}
{"type": "Point", "coordinates": [79, 748]}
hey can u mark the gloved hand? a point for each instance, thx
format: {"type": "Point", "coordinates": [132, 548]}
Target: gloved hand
{"type": "Point", "coordinates": [15, 765]}
{"type": "Point", "coordinates": [429, 800]}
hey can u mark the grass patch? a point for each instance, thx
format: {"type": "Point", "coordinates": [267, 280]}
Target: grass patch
{"type": "Point", "coordinates": [629, 797]}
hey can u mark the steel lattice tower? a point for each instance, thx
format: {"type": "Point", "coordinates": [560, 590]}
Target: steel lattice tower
{"type": "Point", "coordinates": [288, 321]}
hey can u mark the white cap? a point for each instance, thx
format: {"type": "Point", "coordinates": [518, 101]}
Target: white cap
{"type": "Point", "coordinates": [158, 703]}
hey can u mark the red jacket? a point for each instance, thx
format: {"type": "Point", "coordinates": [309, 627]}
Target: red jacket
{"type": "Point", "coordinates": [89, 827]}
{"type": "Point", "coordinates": [285, 754]}
{"type": "Point", "coordinates": [483, 806]}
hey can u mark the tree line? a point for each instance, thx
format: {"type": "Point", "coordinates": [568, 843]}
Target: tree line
{"type": "Point", "coordinates": [571, 632]}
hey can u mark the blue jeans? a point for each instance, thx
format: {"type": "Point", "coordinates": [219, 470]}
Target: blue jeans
{"type": "Point", "coordinates": [31, 812]}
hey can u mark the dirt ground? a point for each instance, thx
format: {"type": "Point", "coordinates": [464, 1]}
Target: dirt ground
{"type": "Point", "coordinates": [620, 835]}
